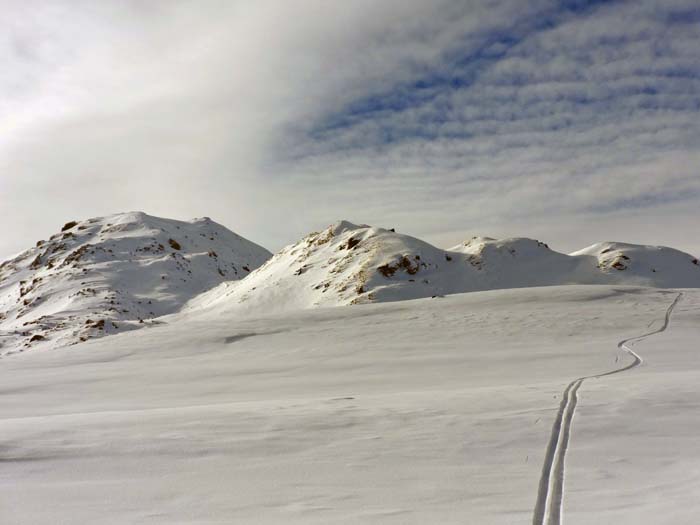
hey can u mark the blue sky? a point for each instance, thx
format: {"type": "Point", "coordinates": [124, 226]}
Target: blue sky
{"type": "Point", "coordinates": [571, 121]}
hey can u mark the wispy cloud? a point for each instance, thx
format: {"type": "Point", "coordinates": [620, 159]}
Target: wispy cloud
{"type": "Point", "coordinates": [550, 118]}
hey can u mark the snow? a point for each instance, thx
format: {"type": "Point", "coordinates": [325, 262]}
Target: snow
{"type": "Point", "coordinates": [115, 273]}
{"type": "Point", "coordinates": [111, 274]}
{"type": "Point", "coordinates": [425, 411]}
{"type": "Point", "coordinates": [350, 264]}
{"type": "Point", "coordinates": [349, 378]}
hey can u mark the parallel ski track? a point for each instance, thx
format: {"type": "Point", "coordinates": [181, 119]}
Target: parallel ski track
{"type": "Point", "coordinates": [550, 495]}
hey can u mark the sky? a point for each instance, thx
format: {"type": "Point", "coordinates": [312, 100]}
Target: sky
{"type": "Point", "coordinates": [569, 121]}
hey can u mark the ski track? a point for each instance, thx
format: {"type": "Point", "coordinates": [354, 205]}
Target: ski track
{"type": "Point", "coordinates": [550, 494]}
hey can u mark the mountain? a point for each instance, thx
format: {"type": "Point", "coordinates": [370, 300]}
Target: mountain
{"type": "Point", "coordinates": [112, 274]}
{"type": "Point", "coordinates": [351, 264]}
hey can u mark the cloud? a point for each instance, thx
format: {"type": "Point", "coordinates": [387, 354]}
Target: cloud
{"type": "Point", "coordinates": [441, 118]}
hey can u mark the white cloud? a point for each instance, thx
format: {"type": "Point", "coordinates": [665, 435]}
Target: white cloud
{"type": "Point", "coordinates": [276, 118]}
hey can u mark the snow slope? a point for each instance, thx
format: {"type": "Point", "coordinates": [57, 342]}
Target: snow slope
{"type": "Point", "coordinates": [115, 273]}
{"type": "Point", "coordinates": [350, 264]}
{"type": "Point", "coordinates": [428, 411]}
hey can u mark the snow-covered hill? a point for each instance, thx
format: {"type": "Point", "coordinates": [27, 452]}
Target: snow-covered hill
{"type": "Point", "coordinates": [350, 264]}
{"type": "Point", "coordinates": [111, 274]}
{"type": "Point", "coordinates": [115, 273]}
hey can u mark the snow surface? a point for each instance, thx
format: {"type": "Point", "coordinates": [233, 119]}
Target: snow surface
{"type": "Point", "coordinates": [115, 273]}
{"type": "Point", "coordinates": [426, 411]}
{"type": "Point", "coordinates": [351, 264]}
{"type": "Point", "coordinates": [239, 402]}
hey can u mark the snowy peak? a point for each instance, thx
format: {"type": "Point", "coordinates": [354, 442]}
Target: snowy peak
{"type": "Point", "coordinates": [659, 265]}
{"type": "Point", "coordinates": [114, 273]}
{"type": "Point", "coordinates": [519, 245]}
{"type": "Point", "coordinates": [343, 264]}
{"type": "Point", "coordinates": [350, 264]}
{"type": "Point", "coordinates": [489, 254]}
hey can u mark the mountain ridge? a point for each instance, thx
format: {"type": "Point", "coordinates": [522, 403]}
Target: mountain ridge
{"type": "Point", "coordinates": [353, 264]}
{"type": "Point", "coordinates": [125, 271]}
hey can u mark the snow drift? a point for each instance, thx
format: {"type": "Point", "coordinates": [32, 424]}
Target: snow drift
{"type": "Point", "coordinates": [115, 273]}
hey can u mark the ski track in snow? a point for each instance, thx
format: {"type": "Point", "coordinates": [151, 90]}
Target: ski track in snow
{"type": "Point", "coordinates": [550, 494]}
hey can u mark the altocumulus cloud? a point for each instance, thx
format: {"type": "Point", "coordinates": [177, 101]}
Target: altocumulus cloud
{"type": "Point", "coordinates": [575, 121]}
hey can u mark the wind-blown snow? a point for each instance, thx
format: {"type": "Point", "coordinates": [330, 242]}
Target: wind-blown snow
{"type": "Point", "coordinates": [110, 274]}
{"type": "Point", "coordinates": [351, 264]}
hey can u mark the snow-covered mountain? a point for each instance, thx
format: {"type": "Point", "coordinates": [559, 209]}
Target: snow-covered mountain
{"type": "Point", "coordinates": [115, 273]}
{"type": "Point", "coordinates": [112, 274]}
{"type": "Point", "coordinates": [350, 264]}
